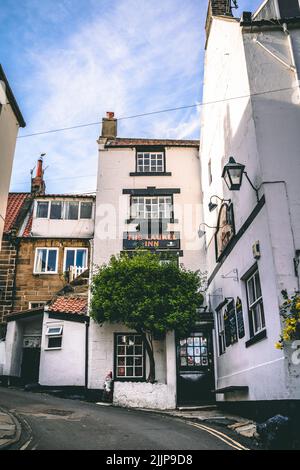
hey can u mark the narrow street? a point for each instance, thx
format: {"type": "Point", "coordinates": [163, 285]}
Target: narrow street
{"type": "Point", "coordinates": [63, 424]}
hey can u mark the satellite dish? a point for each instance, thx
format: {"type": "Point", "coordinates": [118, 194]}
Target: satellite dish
{"type": "Point", "coordinates": [3, 97]}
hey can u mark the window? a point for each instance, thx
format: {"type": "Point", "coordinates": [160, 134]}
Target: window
{"type": "Point", "coordinates": [36, 304]}
{"type": "Point", "coordinates": [56, 210]}
{"type": "Point", "coordinates": [255, 303]}
{"type": "Point", "coordinates": [193, 352]}
{"type": "Point", "coordinates": [42, 210]}
{"type": "Point", "coordinates": [130, 358]}
{"type": "Point", "coordinates": [75, 257]}
{"type": "Point", "coordinates": [157, 207]}
{"type": "Point", "coordinates": [72, 210]}
{"type": "Point", "coordinates": [86, 210]}
{"type": "Point", "coordinates": [148, 162]}
{"type": "Point", "coordinates": [54, 337]}
{"type": "Point", "coordinates": [221, 331]}
{"type": "Point", "coordinates": [46, 261]}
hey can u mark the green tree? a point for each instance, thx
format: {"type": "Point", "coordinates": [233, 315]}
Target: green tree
{"type": "Point", "coordinates": [146, 296]}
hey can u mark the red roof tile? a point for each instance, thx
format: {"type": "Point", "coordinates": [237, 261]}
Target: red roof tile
{"type": "Point", "coordinates": [14, 205]}
{"type": "Point", "coordinates": [27, 230]}
{"type": "Point", "coordinates": [69, 305]}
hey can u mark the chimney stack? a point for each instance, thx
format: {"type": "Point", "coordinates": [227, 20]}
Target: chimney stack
{"type": "Point", "coordinates": [38, 185]}
{"type": "Point", "coordinates": [109, 126]}
{"type": "Point", "coordinates": [217, 8]}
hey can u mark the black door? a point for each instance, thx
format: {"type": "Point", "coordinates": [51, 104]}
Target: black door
{"type": "Point", "coordinates": [195, 373]}
{"type": "Point", "coordinates": [30, 365]}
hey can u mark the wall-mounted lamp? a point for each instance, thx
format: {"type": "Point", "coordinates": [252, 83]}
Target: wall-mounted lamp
{"type": "Point", "coordinates": [201, 232]}
{"type": "Point", "coordinates": [233, 175]}
{"type": "Point", "coordinates": [212, 205]}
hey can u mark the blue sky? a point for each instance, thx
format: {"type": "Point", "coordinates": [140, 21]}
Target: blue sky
{"type": "Point", "coordinates": [70, 61]}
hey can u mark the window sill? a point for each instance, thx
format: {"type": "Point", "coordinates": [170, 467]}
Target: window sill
{"type": "Point", "coordinates": [256, 338]}
{"type": "Point", "coordinates": [52, 349]}
{"type": "Point", "coordinates": [45, 274]}
{"type": "Point", "coordinates": [151, 173]}
{"type": "Point", "coordinates": [129, 379]}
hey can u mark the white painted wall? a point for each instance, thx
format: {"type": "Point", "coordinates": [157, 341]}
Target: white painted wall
{"type": "Point", "coordinates": [8, 134]}
{"type": "Point", "coordinates": [262, 133]}
{"type": "Point", "coordinates": [2, 356]}
{"type": "Point", "coordinates": [65, 366]}
{"type": "Point", "coordinates": [50, 228]}
{"type": "Point", "coordinates": [112, 207]}
{"type": "Point", "coordinates": [14, 346]}
{"type": "Point", "coordinates": [101, 362]}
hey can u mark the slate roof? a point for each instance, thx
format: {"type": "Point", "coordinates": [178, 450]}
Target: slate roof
{"type": "Point", "coordinates": [120, 142]}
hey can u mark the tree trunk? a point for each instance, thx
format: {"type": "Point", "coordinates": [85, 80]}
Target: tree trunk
{"type": "Point", "coordinates": [149, 350]}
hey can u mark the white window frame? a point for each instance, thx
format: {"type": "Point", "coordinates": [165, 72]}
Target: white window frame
{"type": "Point", "coordinates": [58, 334]}
{"type": "Point", "coordinates": [154, 208]}
{"type": "Point", "coordinates": [125, 356]}
{"type": "Point", "coordinates": [75, 249]}
{"type": "Point", "coordinates": [35, 260]}
{"type": "Point", "coordinates": [221, 331]}
{"type": "Point", "coordinates": [64, 211]}
{"type": "Point", "coordinates": [41, 302]}
{"type": "Point", "coordinates": [92, 213]}
{"type": "Point", "coordinates": [158, 157]}
{"type": "Point", "coordinates": [258, 301]}
{"type": "Point", "coordinates": [36, 208]}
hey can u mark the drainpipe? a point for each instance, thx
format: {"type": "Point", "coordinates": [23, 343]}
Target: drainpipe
{"type": "Point", "coordinates": [16, 243]}
{"type": "Point", "coordinates": [87, 324]}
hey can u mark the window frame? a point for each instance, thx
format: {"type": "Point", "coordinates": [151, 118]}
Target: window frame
{"type": "Point", "coordinates": [74, 249]}
{"type": "Point", "coordinates": [170, 219]}
{"type": "Point", "coordinates": [157, 153]}
{"type": "Point", "coordinates": [35, 260]}
{"type": "Point", "coordinates": [251, 274]}
{"type": "Point", "coordinates": [79, 214]}
{"type": "Point", "coordinates": [221, 332]}
{"type": "Point", "coordinates": [153, 150]}
{"type": "Point", "coordinates": [125, 378]}
{"type": "Point", "coordinates": [49, 336]}
{"type": "Point", "coordinates": [63, 209]}
{"type": "Point", "coordinates": [41, 302]}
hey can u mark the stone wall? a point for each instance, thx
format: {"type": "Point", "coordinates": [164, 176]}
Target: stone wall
{"type": "Point", "coordinates": [143, 395]}
{"type": "Point", "coordinates": [40, 287]}
{"type": "Point", "coordinates": [7, 269]}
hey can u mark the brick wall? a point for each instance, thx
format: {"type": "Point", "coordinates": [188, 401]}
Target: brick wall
{"type": "Point", "coordinates": [39, 287]}
{"type": "Point", "coordinates": [7, 268]}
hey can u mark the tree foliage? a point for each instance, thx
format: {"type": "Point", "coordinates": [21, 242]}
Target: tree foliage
{"type": "Point", "coordinates": [146, 296]}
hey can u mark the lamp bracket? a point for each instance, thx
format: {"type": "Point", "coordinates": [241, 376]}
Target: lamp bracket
{"type": "Point", "coordinates": [231, 275]}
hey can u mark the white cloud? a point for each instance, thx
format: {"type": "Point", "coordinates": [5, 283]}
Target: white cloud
{"type": "Point", "coordinates": [136, 57]}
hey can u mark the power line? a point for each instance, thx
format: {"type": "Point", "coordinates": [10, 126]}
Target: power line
{"type": "Point", "coordinates": [152, 113]}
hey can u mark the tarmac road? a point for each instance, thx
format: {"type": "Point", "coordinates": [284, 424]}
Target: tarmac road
{"type": "Point", "coordinates": [63, 424]}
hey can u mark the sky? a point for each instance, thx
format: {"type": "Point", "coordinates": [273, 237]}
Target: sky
{"type": "Point", "coordinates": [70, 61]}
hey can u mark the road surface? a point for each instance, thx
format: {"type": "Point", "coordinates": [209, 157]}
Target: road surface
{"type": "Point", "coordinates": [63, 424]}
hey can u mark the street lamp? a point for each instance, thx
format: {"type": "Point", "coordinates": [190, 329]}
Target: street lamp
{"type": "Point", "coordinates": [233, 176]}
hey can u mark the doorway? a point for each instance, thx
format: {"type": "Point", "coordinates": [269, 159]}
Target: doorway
{"type": "Point", "coordinates": [30, 365]}
{"type": "Point", "coordinates": [195, 369]}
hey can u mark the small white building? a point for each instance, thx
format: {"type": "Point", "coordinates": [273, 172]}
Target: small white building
{"type": "Point", "coordinates": [149, 195]}
{"type": "Point", "coordinates": [11, 120]}
{"type": "Point", "coordinates": [252, 113]}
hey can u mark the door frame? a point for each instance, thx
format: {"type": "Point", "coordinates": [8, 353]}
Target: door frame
{"type": "Point", "coordinates": [207, 324]}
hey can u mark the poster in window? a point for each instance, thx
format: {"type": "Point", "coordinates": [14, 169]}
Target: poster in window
{"type": "Point", "coordinates": [197, 341]}
{"type": "Point", "coordinates": [240, 318]}
{"type": "Point", "coordinates": [197, 352]}
{"type": "Point", "coordinates": [197, 361]}
{"type": "Point", "coordinates": [227, 329]}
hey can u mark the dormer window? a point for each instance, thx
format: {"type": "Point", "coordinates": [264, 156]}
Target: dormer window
{"type": "Point", "coordinates": [42, 210]}
{"type": "Point", "coordinates": [67, 210]}
{"type": "Point", "coordinates": [150, 162]}
{"type": "Point", "coordinates": [72, 210]}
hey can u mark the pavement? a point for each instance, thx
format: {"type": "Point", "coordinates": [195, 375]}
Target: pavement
{"type": "Point", "coordinates": [64, 424]}
{"type": "Point", "coordinates": [212, 415]}
{"type": "Point", "coordinates": [10, 429]}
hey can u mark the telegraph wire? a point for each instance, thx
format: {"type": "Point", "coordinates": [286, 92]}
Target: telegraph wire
{"type": "Point", "coordinates": [152, 113]}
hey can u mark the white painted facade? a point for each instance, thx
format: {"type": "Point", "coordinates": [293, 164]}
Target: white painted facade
{"type": "Point", "coordinates": [262, 133]}
{"type": "Point", "coordinates": [62, 228]}
{"type": "Point", "coordinates": [64, 366]}
{"type": "Point", "coordinates": [112, 212]}
{"type": "Point", "coordinates": [9, 127]}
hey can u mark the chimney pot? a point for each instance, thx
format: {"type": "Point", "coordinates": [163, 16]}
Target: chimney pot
{"type": "Point", "coordinates": [110, 115]}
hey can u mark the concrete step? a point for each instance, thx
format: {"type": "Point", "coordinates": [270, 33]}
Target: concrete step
{"type": "Point", "coordinates": [197, 408]}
